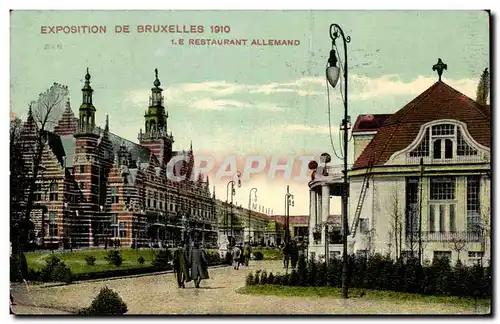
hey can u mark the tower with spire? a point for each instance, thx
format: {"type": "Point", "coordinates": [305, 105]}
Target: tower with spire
{"type": "Point", "coordinates": [87, 160]}
{"type": "Point", "coordinates": [155, 136]}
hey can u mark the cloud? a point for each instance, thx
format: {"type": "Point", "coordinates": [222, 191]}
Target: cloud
{"type": "Point", "coordinates": [391, 85]}
{"type": "Point", "coordinates": [309, 128]}
{"type": "Point", "coordinates": [219, 95]}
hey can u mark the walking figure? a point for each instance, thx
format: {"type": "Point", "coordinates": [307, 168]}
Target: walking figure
{"type": "Point", "coordinates": [236, 257]}
{"type": "Point", "coordinates": [199, 265]}
{"type": "Point", "coordinates": [181, 266]}
{"type": "Point", "coordinates": [247, 252]}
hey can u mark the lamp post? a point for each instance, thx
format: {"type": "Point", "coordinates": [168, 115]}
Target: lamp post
{"type": "Point", "coordinates": [332, 75]}
{"type": "Point", "coordinates": [288, 202]}
{"type": "Point", "coordinates": [250, 210]}
{"type": "Point", "coordinates": [233, 192]}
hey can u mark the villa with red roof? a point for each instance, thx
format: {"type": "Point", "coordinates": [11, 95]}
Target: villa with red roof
{"type": "Point", "coordinates": [420, 180]}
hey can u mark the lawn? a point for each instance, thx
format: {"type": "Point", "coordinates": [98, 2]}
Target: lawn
{"type": "Point", "coordinates": [76, 260]}
{"type": "Point", "coordinates": [356, 293]}
{"type": "Point", "coordinates": [269, 253]}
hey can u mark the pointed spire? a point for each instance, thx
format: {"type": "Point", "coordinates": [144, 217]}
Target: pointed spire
{"type": "Point", "coordinates": [213, 193]}
{"type": "Point", "coordinates": [106, 126]}
{"type": "Point", "coordinates": [30, 112]}
{"type": "Point", "coordinates": [191, 146]}
{"type": "Point", "coordinates": [208, 183]}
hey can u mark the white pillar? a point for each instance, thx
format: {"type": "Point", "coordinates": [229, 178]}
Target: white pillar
{"type": "Point", "coordinates": [312, 209]}
{"type": "Point", "coordinates": [325, 209]}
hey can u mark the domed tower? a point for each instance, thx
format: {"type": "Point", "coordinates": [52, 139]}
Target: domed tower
{"type": "Point", "coordinates": [155, 136]}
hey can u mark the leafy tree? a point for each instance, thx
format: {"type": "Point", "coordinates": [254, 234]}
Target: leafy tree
{"type": "Point", "coordinates": [483, 88]}
{"type": "Point", "coordinates": [42, 116]}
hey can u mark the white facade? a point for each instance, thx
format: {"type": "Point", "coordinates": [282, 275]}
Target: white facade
{"type": "Point", "coordinates": [454, 184]}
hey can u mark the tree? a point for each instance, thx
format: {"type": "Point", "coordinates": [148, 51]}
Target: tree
{"type": "Point", "coordinates": [458, 245]}
{"type": "Point", "coordinates": [483, 88]}
{"type": "Point", "coordinates": [44, 113]}
{"type": "Point", "coordinates": [395, 222]}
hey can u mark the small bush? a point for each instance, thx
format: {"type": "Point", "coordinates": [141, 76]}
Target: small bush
{"type": "Point", "coordinates": [256, 278]}
{"type": "Point", "coordinates": [114, 257]}
{"type": "Point", "coordinates": [140, 260]}
{"type": "Point", "coordinates": [250, 280]}
{"type": "Point", "coordinates": [213, 257]}
{"type": "Point", "coordinates": [294, 278]}
{"type": "Point", "coordinates": [107, 302]}
{"type": "Point", "coordinates": [270, 279]}
{"type": "Point", "coordinates": [263, 278]}
{"type": "Point", "coordinates": [162, 259]}
{"type": "Point", "coordinates": [55, 270]}
{"type": "Point", "coordinates": [90, 260]}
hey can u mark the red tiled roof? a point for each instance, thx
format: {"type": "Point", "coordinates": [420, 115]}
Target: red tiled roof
{"type": "Point", "coordinates": [367, 123]}
{"type": "Point", "coordinates": [440, 101]}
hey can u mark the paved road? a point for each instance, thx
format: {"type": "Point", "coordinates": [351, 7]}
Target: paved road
{"type": "Point", "coordinates": [158, 294]}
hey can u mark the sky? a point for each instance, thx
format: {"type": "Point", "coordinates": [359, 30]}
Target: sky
{"type": "Point", "coordinates": [247, 100]}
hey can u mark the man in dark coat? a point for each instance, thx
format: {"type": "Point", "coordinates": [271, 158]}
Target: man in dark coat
{"type": "Point", "coordinates": [199, 266]}
{"type": "Point", "coordinates": [294, 253]}
{"type": "Point", "coordinates": [181, 266]}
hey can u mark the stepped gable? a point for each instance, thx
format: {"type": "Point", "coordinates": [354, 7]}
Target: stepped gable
{"type": "Point", "coordinates": [66, 125]}
{"type": "Point", "coordinates": [440, 101]}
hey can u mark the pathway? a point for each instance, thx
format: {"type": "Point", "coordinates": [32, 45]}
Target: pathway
{"type": "Point", "coordinates": [158, 294]}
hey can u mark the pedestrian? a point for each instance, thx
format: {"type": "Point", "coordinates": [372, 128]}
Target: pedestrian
{"type": "Point", "coordinates": [286, 255]}
{"type": "Point", "coordinates": [242, 255]}
{"type": "Point", "coordinates": [236, 257]}
{"type": "Point", "coordinates": [247, 252]}
{"type": "Point", "coordinates": [181, 266]}
{"type": "Point", "coordinates": [199, 266]}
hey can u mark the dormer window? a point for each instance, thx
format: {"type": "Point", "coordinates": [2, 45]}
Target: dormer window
{"type": "Point", "coordinates": [443, 142]}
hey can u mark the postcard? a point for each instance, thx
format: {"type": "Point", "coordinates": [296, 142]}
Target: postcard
{"type": "Point", "coordinates": [250, 162]}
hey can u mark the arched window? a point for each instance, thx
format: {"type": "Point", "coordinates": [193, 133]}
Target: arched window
{"type": "Point", "coordinates": [448, 148]}
{"type": "Point", "coordinates": [436, 149]}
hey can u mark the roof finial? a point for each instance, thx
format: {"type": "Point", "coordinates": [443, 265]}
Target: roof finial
{"type": "Point", "coordinates": [191, 146]}
{"type": "Point", "coordinates": [439, 67]}
{"type": "Point", "coordinates": [87, 76]}
{"type": "Point", "coordinates": [157, 82]}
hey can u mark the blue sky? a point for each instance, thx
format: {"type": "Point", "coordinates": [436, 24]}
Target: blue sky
{"type": "Point", "coordinates": [247, 100]}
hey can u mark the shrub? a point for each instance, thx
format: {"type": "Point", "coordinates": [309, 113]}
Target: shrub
{"type": "Point", "coordinates": [90, 260]}
{"type": "Point", "coordinates": [250, 281]}
{"type": "Point", "coordinates": [256, 278]}
{"type": "Point", "coordinates": [162, 259]}
{"type": "Point", "coordinates": [258, 255]}
{"type": "Point", "coordinates": [270, 278]}
{"type": "Point", "coordinates": [381, 273]}
{"type": "Point", "coordinates": [55, 270]}
{"type": "Point", "coordinates": [213, 257]}
{"type": "Point", "coordinates": [263, 278]}
{"type": "Point", "coordinates": [294, 278]}
{"type": "Point", "coordinates": [114, 257]}
{"type": "Point", "coordinates": [229, 258]}
{"type": "Point", "coordinates": [107, 302]}
{"type": "Point", "coordinates": [140, 260]}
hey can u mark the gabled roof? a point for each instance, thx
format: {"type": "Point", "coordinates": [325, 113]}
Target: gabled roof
{"type": "Point", "coordinates": [440, 101]}
{"type": "Point", "coordinates": [370, 122]}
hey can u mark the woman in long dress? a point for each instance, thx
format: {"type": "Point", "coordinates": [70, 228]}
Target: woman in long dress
{"type": "Point", "coordinates": [199, 266]}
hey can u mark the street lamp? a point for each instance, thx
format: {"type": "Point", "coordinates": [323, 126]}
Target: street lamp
{"type": "Point", "coordinates": [233, 192]}
{"type": "Point", "coordinates": [288, 202]}
{"type": "Point", "coordinates": [250, 210]}
{"type": "Point", "coordinates": [332, 75]}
